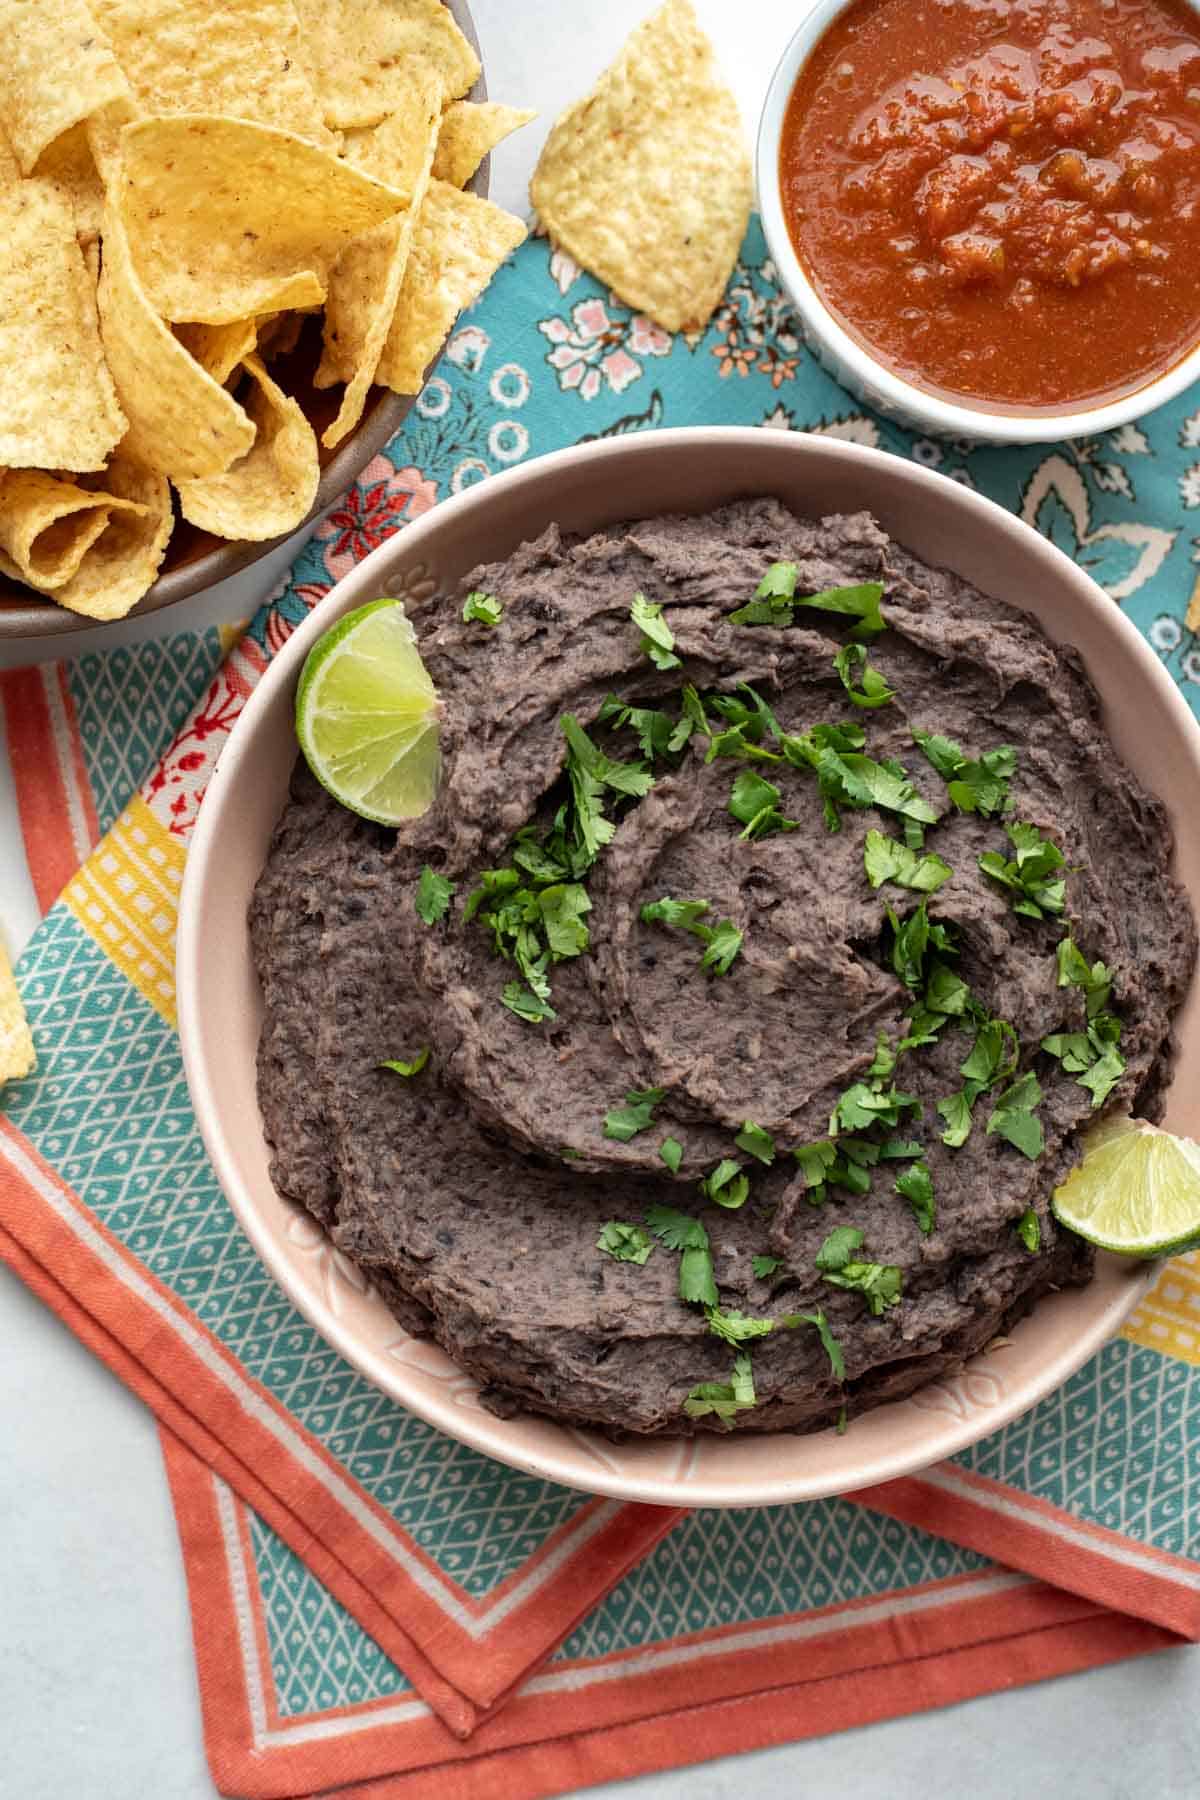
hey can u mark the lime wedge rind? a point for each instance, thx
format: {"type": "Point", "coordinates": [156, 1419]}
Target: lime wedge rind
{"type": "Point", "coordinates": [367, 715]}
{"type": "Point", "coordinates": [1136, 1192]}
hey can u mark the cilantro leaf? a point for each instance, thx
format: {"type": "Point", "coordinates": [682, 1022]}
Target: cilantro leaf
{"type": "Point", "coordinates": [658, 640]}
{"type": "Point", "coordinates": [667, 911]}
{"type": "Point", "coordinates": [915, 1184]}
{"type": "Point", "coordinates": [1028, 1229]}
{"type": "Point", "coordinates": [884, 1060]}
{"type": "Point", "coordinates": [848, 778]}
{"type": "Point", "coordinates": [655, 730]}
{"type": "Point", "coordinates": [726, 1185]}
{"type": "Point", "coordinates": [956, 1111]}
{"type": "Point", "coordinates": [625, 1122]}
{"type": "Point", "coordinates": [1028, 874]}
{"type": "Point", "coordinates": [772, 596]}
{"type": "Point", "coordinates": [879, 1283]}
{"type": "Point", "coordinates": [409, 1068]}
{"type": "Point", "coordinates": [838, 1248]}
{"type": "Point", "coordinates": [992, 1058]}
{"type": "Point", "coordinates": [911, 940]}
{"type": "Point", "coordinates": [860, 1107]}
{"type": "Point", "coordinates": [829, 1343]}
{"type": "Point", "coordinates": [526, 1004]}
{"type": "Point", "coordinates": [1091, 1055]}
{"type": "Point", "coordinates": [859, 602]}
{"type": "Point", "coordinates": [816, 1160]}
{"type": "Point", "coordinates": [737, 1327]}
{"type": "Point", "coordinates": [724, 1398]}
{"type": "Point", "coordinates": [756, 1142]}
{"type": "Point", "coordinates": [755, 804]}
{"type": "Point", "coordinates": [671, 1151]}
{"type": "Point", "coordinates": [979, 786]}
{"type": "Point", "coordinates": [483, 608]}
{"type": "Point", "coordinates": [764, 1266]}
{"type": "Point", "coordinates": [692, 718]}
{"type": "Point", "coordinates": [589, 772]}
{"type": "Point", "coordinates": [679, 1231]}
{"type": "Point", "coordinates": [562, 907]}
{"type": "Point", "coordinates": [746, 727]}
{"type": "Point", "coordinates": [1015, 1116]}
{"type": "Point", "coordinates": [776, 599]}
{"type": "Point", "coordinates": [625, 1243]}
{"type": "Point", "coordinates": [1074, 970]}
{"type": "Point", "coordinates": [722, 941]}
{"type": "Point", "coordinates": [433, 895]}
{"type": "Point", "coordinates": [886, 859]}
{"type": "Point", "coordinates": [851, 662]}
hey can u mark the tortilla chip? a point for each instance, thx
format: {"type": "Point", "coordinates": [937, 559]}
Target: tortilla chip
{"type": "Point", "coordinates": [279, 333]}
{"type": "Point", "coordinates": [470, 132]}
{"type": "Point", "coordinates": [124, 560]}
{"type": "Point", "coordinates": [226, 218]}
{"type": "Point", "coordinates": [47, 525]}
{"type": "Point", "coordinates": [182, 422]}
{"type": "Point", "coordinates": [220, 348]}
{"type": "Point", "coordinates": [16, 1042]}
{"type": "Point", "coordinates": [357, 52]}
{"type": "Point", "coordinates": [396, 150]}
{"type": "Point", "coordinates": [459, 242]}
{"type": "Point", "coordinates": [84, 160]}
{"type": "Point", "coordinates": [56, 67]}
{"type": "Point", "coordinates": [58, 404]}
{"type": "Point", "coordinates": [646, 181]}
{"type": "Point", "coordinates": [367, 279]}
{"type": "Point", "coordinates": [241, 58]}
{"type": "Point", "coordinates": [271, 489]}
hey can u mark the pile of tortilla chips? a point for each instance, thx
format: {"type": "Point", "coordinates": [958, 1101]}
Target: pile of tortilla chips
{"type": "Point", "coordinates": [646, 181]}
{"type": "Point", "coordinates": [180, 182]}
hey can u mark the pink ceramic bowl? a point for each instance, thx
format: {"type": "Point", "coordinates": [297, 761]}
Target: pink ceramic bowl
{"type": "Point", "coordinates": [584, 488]}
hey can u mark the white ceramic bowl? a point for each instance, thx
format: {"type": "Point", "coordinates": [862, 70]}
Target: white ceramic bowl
{"type": "Point", "coordinates": [220, 1009]}
{"type": "Point", "coordinates": [851, 363]}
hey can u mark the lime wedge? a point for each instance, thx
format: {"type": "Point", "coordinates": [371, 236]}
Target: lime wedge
{"type": "Point", "coordinates": [1137, 1191]}
{"type": "Point", "coordinates": [367, 715]}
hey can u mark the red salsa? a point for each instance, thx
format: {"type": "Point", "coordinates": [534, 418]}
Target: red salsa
{"type": "Point", "coordinates": [1001, 198]}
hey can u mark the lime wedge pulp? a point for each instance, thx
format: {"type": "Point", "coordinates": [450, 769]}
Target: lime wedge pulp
{"type": "Point", "coordinates": [367, 715]}
{"type": "Point", "coordinates": [1137, 1191]}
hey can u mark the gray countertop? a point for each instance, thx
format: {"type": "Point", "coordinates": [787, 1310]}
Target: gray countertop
{"type": "Point", "coordinates": [97, 1681]}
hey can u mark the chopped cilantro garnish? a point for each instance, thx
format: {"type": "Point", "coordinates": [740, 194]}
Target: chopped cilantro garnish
{"type": "Point", "coordinates": [764, 1266]}
{"type": "Point", "coordinates": [886, 859]}
{"type": "Point", "coordinates": [1015, 1116]}
{"type": "Point", "coordinates": [680, 1231]}
{"type": "Point", "coordinates": [884, 1060]}
{"type": "Point", "coordinates": [590, 771]}
{"type": "Point", "coordinates": [861, 1106]}
{"type": "Point", "coordinates": [915, 1184]}
{"type": "Point", "coordinates": [956, 1111]}
{"type": "Point", "coordinates": [526, 1004]}
{"type": "Point", "coordinates": [1074, 970]}
{"type": "Point", "coordinates": [772, 598]}
{"type": "Point", "coordinates": [840, 1427]}
{"type": "Point", "coordinates": [847, 778]}
{"type": "Point", "coordinates": [946, 992]}
{"type": "Point", "coordinates": [1028, 874]}
{"type": "Point", "coordinates": [829, 1343]}
{"type": "Point", "coordinates": [432, 895]}
{"type": "Point", "coordinates": [911, 941]}
{"type": "Point", "coordinates": [745, 727]}
{"type": "Point", "coordinates": [726, 1186]}
{"type": "Point", "coordinates": [776, 599]}
{"type": "Point", "coordinates": [724, 1398]}
{"type": "Point", "coordinates": [755, 804]}
{"type": "Point", "coordinates": [737, 1327]}
{"type": "Point", "coordinates": [637, 1114]}
{"type": "Point", "coordinates": [1028, 1229]}
{"type": "Point", "coordinates": [879, 1283]}
{"type": "Point", "coordinates": [483, 608]}
{"type": "Point", "coordinates": [756, 1142]}
{"type": "Point", "coordinates": [692, 718]}
{"type": "Point", "coordinates": [671, 1151]}
{"type": "Point", "coordinates": [973, 786]}
{"type": "Point", "coordinates": [992, 1059]}
{"type": "Point", "coordinates": [722, 941]}
{"type": "Point", "coordinates": [658, 640]}
{"type": "Point", "coordinates": [1091, 1055]}
{"type": "Point", "coordinates": [562, 907]}
{"type": "Point", "coordinates": [655, 730]}
{"type": "Point", "coordinates": [625, 1243]}
{"type": "Point", "coordinates": [851, 663]}
{"type": "Point", "coordinates": [409, 1068]}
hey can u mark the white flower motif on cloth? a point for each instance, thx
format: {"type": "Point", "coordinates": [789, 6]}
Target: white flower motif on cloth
{"type": "Point", "coordinates": [1121, 557]}
{"type": "Point", "coordinates": [600, 344]}
{"type": "Point", "coordinates": [855, 428]}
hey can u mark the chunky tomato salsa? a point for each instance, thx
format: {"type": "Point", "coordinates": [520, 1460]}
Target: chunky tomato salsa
{"type": "Point", "coordinates": [1001, 198]}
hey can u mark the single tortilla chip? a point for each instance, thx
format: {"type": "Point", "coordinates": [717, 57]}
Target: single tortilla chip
{"type": "Point", "coordinates": [85, 161]}
{"type": "Point", "coordinates": [395, 151]}
{"type": "Point", "coordinates": [241, 58]}
{"type": "Point", "coordinates": [220, 348]}
{"type": "Point", "coordinates": [270, 490]}
{"type": "Point", "coordinates": [279, 333]}
{"type": "Point", "coordinates": [459, 242]}
{"type": "Point", "coordinates": [16, 1040]}
{"type": "Point", "coordinates": [124, 560]}
{"type": "Point", "coordinates": [226, 218]}
{"type": "Point", "coordinates": [647, 181]}
{"type": "Point", "coordinates": [471, 131]}
{"type": "Point", "coordinates": [357, 52]}
{"type": "Point", "coordinates": [367, 279]}
{"type": "Point", "coordinates": [56, 67]}
{"type": "Point", "coordinates": [182, 423]}
{"type": "Point", "coordinates": [47, 525]}
{"type": "Point", "coordinates": [58, 403]}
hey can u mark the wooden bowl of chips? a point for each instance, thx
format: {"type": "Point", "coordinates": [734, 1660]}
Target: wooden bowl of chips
{"type": "Point", "coordinates": [175, 181]}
